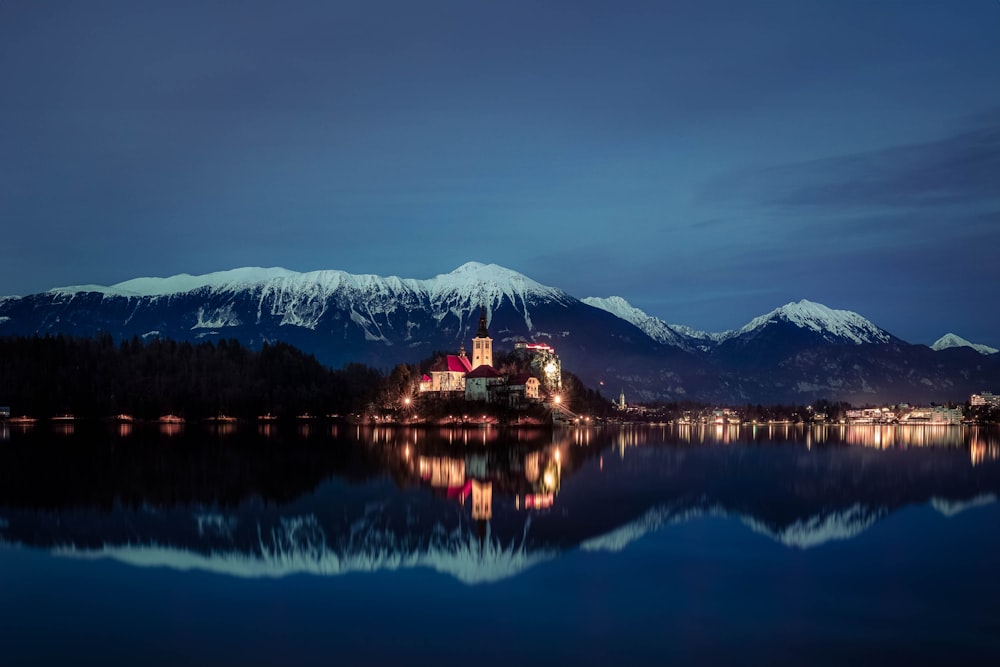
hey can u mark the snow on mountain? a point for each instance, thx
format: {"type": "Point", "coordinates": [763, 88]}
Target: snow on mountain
{"type": "Point", "coordinates": [834, 325]}
{"type": "Point", "coordinates": [301, 299]}
{"type": "Point", "coordinates": [667, 334]}
{"type": "Point", "coordinates": [487, 285]}
{"type": "Point", "coordinates": [232, 280]}
{"type": "Point", "coordinates": [950, 340]}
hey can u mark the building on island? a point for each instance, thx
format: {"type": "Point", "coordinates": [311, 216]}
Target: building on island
{"type": "Point", "coordinates": [481, 383]}
{"type": "Point", "coordinates": [526, 385]}
{"type": "Point", "coordinates": [544, 362]}
{"type": "Point", "coordinates": [448, 374]}
{"type": "Point", "coordinates": [478, 380]}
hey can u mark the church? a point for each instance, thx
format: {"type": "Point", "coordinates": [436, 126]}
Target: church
{"type": "Point", "coordinates": [477, 379]}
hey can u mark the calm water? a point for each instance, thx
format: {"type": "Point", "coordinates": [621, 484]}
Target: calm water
{"type": "Point", "coordinates": [320, 544]}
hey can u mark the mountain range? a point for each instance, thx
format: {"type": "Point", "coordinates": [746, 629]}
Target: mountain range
{"type": "Point", "coordinates": [796, 353]}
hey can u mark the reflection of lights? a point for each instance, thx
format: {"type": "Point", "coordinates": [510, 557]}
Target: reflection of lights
{"type": "Point", "coordinates": [535, 501]}
{"type": "Point", "coordinates": [549, 480]}
{"type": "Point", "coordinates": [170, 428]}
{"type": "Point", "coordinates": [63, 428]}
{"type": "Point", "coordinates": [558, 456]}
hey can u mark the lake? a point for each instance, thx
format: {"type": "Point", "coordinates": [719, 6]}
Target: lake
{"type": "Point", "coordinates": [332, 544]}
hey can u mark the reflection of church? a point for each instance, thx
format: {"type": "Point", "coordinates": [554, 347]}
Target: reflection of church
{"type": "Point", "coordinates": [533, 483]}
{"type": "Point", "coordinates": [478, 380]}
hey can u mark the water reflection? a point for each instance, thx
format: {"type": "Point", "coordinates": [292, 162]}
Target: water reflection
{"type": "Point", "coordinates": [171, 429]}
{"type": "Point", "coordinates": [479, 503]}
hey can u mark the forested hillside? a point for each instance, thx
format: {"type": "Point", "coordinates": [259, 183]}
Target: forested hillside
{"type": "Point", "coordinates": [94, 378]}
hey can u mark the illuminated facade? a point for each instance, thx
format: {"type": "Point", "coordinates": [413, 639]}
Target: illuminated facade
{"type": "Point", "coordinates": [482, 500]}
{"type": "Point", "coordinates": [937, 414]}
{"type": "Point", "coordinates": [544, 362]}
{"type": "Point", "coordinates": [478, 380]}
{"type": "Point", "coordinates": [985, 398]}
{"type": "Point", "coordinates": [481, 383]}
{"type": "Point", "coordinates": [448, 374]}
{"type": "Point", "coordinates": [525, 386]}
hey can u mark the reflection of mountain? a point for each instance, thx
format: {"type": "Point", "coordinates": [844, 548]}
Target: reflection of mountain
{"type": "Point", "coordinates": [612, 492]}
{"type": "Point", "coordinates": [300, 545]}
{"type": "Point", "coordinates": [809, 532]}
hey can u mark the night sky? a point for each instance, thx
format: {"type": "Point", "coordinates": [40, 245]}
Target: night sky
{"type": "Point", "coordinates": [708, 161]}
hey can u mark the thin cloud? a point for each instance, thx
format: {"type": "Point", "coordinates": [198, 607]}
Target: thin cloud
{"type": "Point", "coordinates": [960, 169]}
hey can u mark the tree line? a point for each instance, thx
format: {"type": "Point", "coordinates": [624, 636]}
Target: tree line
{"type": "Point", "coordinates": [98, 377]}
{"type": "Point", "coordinates": [93, 378]}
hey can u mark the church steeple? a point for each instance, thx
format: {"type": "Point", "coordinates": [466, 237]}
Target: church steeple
{"type": "Point", "coordinates": [482, 344]}
{"type": "Point", "coordinates": [482, 333]}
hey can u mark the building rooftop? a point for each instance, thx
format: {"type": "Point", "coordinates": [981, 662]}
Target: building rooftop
{"type": "Point", "coordinates": [453, 363]}
{"type": "Point", "coordinates": [484, 371]}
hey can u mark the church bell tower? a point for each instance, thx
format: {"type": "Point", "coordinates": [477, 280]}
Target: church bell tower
{"type": "Point", "coordinates": [482, 344]}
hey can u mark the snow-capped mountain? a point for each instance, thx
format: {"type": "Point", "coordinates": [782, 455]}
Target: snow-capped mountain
{"type": "Point", "coordinates": [301, 299]}
{"type": "Point", "coordinates": [834, 326]}
{"type": "Point", "coordinates": [677, 335]}
{"type": "Point", "coordinates": [950, 340]}
{"type": "Point", "coordinates": [799, 351]}
{"type": "Point", "coordinates": [333, 313]}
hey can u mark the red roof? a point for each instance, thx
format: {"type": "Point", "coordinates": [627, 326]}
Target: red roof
{"type": "Point", "coordinates": [484, 371]}
{"type": "Point", "coordinates": [452, 363]}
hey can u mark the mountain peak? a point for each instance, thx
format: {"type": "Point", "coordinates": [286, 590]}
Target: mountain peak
{"type": "Point", "coordinates": [834, 325]}
{"type": "Point", "coordinates": [950, 340]}
{"type": "Point", "coordinates": [487, 284]}
{"type": "Point", "coordinates": [487, 272]}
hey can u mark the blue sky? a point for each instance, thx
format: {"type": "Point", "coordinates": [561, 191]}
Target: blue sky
{"type": "Point", "coordinates": [708, 161]}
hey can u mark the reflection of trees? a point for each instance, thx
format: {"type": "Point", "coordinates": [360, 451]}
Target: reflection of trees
{"type": "Point", "coordinates": [97, 466]}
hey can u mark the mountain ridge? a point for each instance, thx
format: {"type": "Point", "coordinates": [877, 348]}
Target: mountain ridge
{"type": "Point", "coordinates": [798, 351]}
